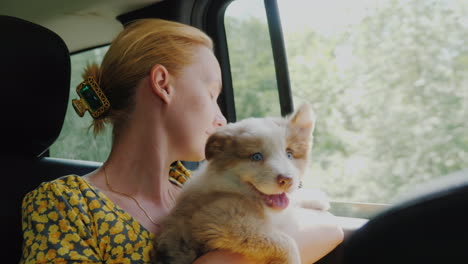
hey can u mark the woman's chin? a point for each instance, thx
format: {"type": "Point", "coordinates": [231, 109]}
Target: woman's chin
{"type": "Point", "coordinates": [196, 156]}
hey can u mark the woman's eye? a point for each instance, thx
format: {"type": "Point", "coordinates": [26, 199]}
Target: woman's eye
{"type": "Point", "coordinates": [256, 156]}
{"type": "Point", "coordinates": [289, 154]}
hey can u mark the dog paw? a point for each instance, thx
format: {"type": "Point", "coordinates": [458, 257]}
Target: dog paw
{"type": "Point", "coordinates": [312, 199]}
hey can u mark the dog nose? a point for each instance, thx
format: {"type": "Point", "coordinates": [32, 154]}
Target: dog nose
{"type": "Point", "coordinates": [284, 181]}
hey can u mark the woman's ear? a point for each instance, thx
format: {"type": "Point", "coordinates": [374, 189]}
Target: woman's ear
{"type": "Point", "coordinates": [160, 83]}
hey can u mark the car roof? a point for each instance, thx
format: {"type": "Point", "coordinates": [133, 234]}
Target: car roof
{"type": "Point", "coordinates": [81, 24]}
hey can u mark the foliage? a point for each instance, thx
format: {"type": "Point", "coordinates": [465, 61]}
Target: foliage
{"type": "Point", "coordinates": [252, 68]}
{"type": "Point", "coordinates": [390, 94]}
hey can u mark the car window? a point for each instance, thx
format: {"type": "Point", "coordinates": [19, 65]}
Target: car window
{"type": "Point", "coordinates": [251, 60]}
{"type": "Point", "coordinates": [76, 140]}
{"type": "Point", "coordinates": [388, 82]}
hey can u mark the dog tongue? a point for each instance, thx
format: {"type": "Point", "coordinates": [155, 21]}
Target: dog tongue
{"type": "Point", "coordinates": [277, 201]}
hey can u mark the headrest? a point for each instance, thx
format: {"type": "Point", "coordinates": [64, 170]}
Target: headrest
{"type": "Point", "coordinates": [35, 74]}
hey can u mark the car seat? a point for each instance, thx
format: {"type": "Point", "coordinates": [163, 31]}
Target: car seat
{"type": "Point", "coordinates": [35, 74]}
{"type": "Point", "coordinates": [426, 227]}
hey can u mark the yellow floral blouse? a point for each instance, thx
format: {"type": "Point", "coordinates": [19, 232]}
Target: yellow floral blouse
{"type": "Point", "coordinates": [68, 220]}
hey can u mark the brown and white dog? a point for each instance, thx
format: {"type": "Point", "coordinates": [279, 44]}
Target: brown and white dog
{"type": "Point", "coordinates": [232, 201]}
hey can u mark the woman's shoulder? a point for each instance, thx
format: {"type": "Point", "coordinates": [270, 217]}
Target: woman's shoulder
{"type": "Point", "coordinates": [178, 174]}
{"type": "Point", "coordinates": [64, 186]}
{"type": "Point", "coordinates": [67, 182]}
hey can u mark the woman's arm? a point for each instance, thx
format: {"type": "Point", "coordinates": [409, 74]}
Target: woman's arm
{"type": "Point", "coordinates": [316, 233]}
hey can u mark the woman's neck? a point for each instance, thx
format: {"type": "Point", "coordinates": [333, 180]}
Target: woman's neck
{"type": "Point", "coordinates": [141, 166]}
{"type": "Point", "coordinates": [138, 165]}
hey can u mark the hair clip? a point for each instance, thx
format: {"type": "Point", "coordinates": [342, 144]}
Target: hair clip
{"type": "Point", "coordinates": [92, 98]}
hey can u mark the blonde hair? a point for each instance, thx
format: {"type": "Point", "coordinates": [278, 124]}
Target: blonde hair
{"type": "Point", "coordinates": [141, 45]}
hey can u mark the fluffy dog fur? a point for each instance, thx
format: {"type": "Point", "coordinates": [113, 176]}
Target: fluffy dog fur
{"type": "Point", "coordinates": [232, 200]}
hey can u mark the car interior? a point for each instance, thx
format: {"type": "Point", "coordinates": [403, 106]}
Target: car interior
{"type": "Point", "coordinates": [38, 39]}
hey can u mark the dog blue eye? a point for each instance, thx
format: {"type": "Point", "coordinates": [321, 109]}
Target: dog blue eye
{"type": "Point", "coordinates": [256, 156]}
{"type": "Point", "coordinates": [290, 155]}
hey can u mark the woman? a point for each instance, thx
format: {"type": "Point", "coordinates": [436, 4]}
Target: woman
{"type": "Point", "coordinates": [161, 81]}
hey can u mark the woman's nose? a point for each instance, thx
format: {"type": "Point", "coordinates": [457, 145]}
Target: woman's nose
{"type": "Point", "coordinates": [220, 120]}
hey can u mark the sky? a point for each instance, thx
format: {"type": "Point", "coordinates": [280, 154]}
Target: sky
{"type": "Point", "coordinates": [325, 16]}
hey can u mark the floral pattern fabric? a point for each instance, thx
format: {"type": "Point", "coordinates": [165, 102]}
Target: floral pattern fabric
{"type": "Point", "coordinates": [68, 220]}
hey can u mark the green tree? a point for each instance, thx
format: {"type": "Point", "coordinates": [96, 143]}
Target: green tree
{"type": "Point", "coordinates": [252, 68]}
{"type": "Point", "coordinates": [390, 94]}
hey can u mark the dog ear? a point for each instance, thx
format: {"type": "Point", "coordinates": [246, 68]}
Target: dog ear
{"type": "Point", "coordinates": [216, 144]}
{"type": "Point", "coordinates": [304, 119]}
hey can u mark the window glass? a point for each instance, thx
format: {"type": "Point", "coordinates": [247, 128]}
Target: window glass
{"type": "Point", "coordinates": [388, 81]}
{"type": "Point", "coordinates": [76, 140]}
{"type": "Point", "coordinates": [251, 59]}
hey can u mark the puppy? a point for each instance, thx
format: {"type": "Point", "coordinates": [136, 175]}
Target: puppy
{"type": "Point", "coordinates": [234, 200]}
